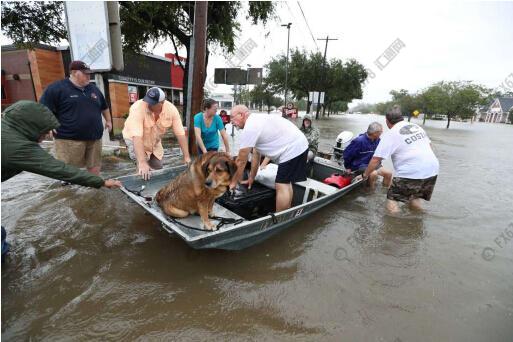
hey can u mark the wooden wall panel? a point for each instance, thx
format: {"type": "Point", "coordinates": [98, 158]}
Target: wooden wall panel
{"type": "Point", "coordinates": [46, 67]}
{"type": "Point", "coordinates": [119, 99]}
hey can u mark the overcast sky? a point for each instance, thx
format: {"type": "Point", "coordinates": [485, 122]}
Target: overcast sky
{"type": "Point", "coordinates": [443, 40]}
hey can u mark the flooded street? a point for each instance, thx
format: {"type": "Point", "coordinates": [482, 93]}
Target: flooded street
{"type": "Point", "coordinates": [89, 264]}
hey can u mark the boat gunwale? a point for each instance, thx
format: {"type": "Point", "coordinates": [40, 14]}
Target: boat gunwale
{"type": "Point", "coordinates": [176, 229]}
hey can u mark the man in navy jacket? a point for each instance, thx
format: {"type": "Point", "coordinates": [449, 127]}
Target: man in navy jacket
{"type": "Point", "coordinates": [360, 151]}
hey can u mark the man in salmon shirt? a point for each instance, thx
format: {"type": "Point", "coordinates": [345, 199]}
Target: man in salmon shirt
{"type": "Point", "coordinates": [148, 120]}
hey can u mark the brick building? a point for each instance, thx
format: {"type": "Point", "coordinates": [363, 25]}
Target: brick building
{"type": "Point", "coordinates": [26, 74]}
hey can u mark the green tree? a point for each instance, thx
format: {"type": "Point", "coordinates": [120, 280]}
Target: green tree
{"type": "Point", "coordinates": [338, 106]}
{"type": "Point", "coordinates": [342, 82]}
{"type": "Point", "coordinates": [408, 102]}
{"type": "Point", "coordinates": [263, 95]}
{"type": "Point", "coordinates": [383, 107]}
{"type": "Point", "coordinates": [303, 73]}
{"type": "Point", "coordinates": [364, 108]}
{"type": "Point", "coordinates": [142, 22]}
{"type": "Point", "coordinates": [453, 99]}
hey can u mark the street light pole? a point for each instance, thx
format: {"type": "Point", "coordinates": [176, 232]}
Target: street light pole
{"type": "Point", "coordinates": [287, 63]}
{"type": "Point", "coordinates": [323, 74]}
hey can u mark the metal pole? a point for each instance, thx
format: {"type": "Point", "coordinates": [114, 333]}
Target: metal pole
{"type": "Point", "coordinates": [287, 63]}
{"type": "Point", "coordinates": [323, 74]}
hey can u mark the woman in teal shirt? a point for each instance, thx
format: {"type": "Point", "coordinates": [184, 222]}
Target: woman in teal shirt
{"type": "Point", "coordinates": [206, 127]}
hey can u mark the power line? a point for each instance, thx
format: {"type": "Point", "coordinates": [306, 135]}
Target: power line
{"type": "Point", "coordinates": [300, 27]}
{"type": "Point", "coordinates": [307, 25]}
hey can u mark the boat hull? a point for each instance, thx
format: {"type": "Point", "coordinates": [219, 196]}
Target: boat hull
{"type": "Point", "coordinates": [240, 235]}
{"type": "Point", "coordinates": [257, 232]}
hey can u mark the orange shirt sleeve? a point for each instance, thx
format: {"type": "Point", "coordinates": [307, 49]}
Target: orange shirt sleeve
{"type": "Point", "coordinates": [134, 124]}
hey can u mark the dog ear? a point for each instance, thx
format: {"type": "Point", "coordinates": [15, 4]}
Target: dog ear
{"type": "Point", "coordinates": [208, 158]}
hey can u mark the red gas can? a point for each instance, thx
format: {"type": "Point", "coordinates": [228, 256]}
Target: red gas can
{"type": "Point", "coordinates": [338, 180]}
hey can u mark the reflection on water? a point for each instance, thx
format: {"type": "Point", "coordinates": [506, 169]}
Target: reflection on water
{"type": "Point", "coordinates": [88, 264]}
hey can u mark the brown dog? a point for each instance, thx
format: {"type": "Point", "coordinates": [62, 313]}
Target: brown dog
{"type": "Point", "coordinates": [195, 190]}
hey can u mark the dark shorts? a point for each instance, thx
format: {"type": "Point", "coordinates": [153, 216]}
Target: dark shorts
{"type": "Point", "coordinates": [406, 189]}
{"type": "Point", "coordinates": [293, 170]}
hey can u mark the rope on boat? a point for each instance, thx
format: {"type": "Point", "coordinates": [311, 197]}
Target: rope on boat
{"type": "Point", "coordinates": [222, 221]}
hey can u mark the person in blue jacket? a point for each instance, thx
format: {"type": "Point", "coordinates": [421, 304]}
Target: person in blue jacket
{"type": "Point", "coordinates": [360, 151]}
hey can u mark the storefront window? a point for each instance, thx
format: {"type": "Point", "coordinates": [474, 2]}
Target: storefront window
{"type": "Point", "coordinates": [141, 91]}
{"type": "Point", "coordinates": [169, 94]}
{"type": "Point", "coordinates": [176, 97]}
{"type": "Point", "coordinates": [133, 94]}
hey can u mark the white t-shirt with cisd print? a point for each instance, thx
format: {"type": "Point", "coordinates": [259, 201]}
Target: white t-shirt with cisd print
{"type": "Point", "coordinates": [410, 149]}
{"type": "Point", "coordinates": [273, 136]}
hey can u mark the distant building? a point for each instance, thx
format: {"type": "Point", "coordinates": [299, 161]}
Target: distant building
{"type": "Point", "coordinates": [225, 101]}
{"type": "Point", "coordinates": [27, 73]}
{"type": "Point", "coordinates": [498, 111]}
{"type": "Point", "coordinates": [177, 72]}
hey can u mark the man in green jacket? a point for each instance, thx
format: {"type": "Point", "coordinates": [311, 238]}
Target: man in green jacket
{"type": "Point", "coordinates": [312, 135]}
{"type": "Point", "coordinates": [24, 125]}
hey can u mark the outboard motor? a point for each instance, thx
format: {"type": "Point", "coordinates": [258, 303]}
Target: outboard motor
{"type": "Point", "coordinates": [343, 139]}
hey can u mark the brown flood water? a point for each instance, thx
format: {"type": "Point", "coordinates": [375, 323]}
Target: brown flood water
{"type": "Point", "coordinates": [90, 265]}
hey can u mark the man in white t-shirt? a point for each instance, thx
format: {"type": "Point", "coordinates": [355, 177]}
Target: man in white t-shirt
{"type": "Point", "coordinates": [276, 138]}
{"type": "Point", "coordinates": [416, 166]}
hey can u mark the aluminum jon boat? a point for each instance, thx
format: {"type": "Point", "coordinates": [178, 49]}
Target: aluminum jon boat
{"type": "Point", "coordinates": [243, 219]}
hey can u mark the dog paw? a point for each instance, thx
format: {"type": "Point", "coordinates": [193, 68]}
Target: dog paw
{"type": "Point", "coordinates": [209, 226]}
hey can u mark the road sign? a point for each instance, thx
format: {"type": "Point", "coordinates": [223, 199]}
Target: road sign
{"type": "Point", "coordinates": [290, 111]}
{"type": "Point", "coordinates": [313, 97]}
{"type": "Point", "coordinates": [238, 76]}
{"type": "Point", "coordinates": [88, 32]}
{"type": "Point", "coordinates": [255, 76]}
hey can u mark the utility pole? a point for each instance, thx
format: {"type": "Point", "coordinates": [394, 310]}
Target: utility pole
{"type": "Point", "coordinates": [324, 74]}
{"type": "Point", "coordinates": [287, 63]}
{"type": "Point", "coordinates": [197, 69]}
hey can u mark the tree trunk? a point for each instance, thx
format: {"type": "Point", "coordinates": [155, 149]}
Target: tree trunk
{"type": "Point", "coordinates": [424, 119]}
{"type": "Point", "coordinates": [308, 105]}
{"type": "Point", "coordinates": [448, 120]}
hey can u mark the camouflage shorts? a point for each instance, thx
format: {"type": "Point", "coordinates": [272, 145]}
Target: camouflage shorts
{"type": "Point", "coordinates": [406, 189]}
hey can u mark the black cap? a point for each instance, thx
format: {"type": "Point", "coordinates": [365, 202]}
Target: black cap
{"type": "Point", "coordinates": [154, 96]}
{"type": "Point", "coordinates": [79, 65]}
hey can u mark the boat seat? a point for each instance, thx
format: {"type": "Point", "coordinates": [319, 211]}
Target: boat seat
{"type": "Point", "coordinates": [316, 187]}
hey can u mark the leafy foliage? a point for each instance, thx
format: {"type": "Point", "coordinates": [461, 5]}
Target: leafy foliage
{"type": "Point", "coordinates": [32, 22]}
{"type": "Point", "coordinates": [454, 99]}
{"type": "Point", "coordinates": [341, 81]}
{"type": "Point", "coordinates": [142, 22]}
{"type": "Point", "coordinates": [264, 95]}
